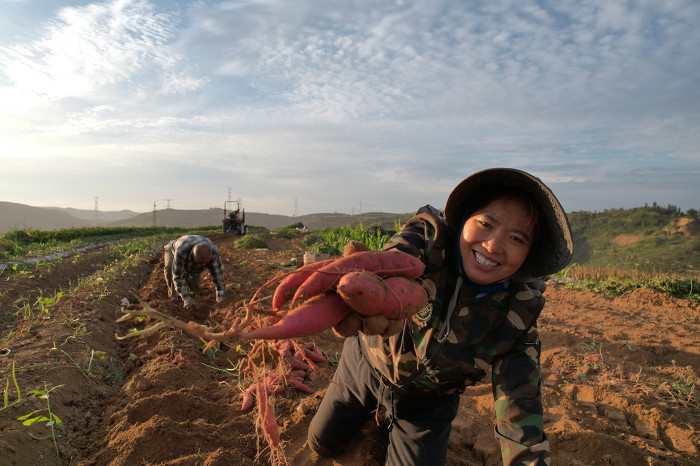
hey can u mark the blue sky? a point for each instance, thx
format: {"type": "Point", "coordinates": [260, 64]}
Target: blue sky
{"type": "Point", "coordinates": [306, 106]}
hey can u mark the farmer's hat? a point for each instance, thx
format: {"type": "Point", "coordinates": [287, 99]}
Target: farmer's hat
{"type": "Point", "coordinates": [554, 246]}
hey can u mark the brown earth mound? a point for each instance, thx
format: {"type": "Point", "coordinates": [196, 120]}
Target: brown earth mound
{"type": "Point", "coordinates": [618, 375]}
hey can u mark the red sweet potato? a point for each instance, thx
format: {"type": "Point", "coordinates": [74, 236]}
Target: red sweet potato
{"type": "Point", "coordinates": [248, 396]}
{"type": "Point", "coordinates": [392, 297]}
{"type": "Point", "coordinates": [403, 298]}
{"type": "Point", "coordinates": [287, 287]}
{"type": "Point", "coordinates": [389, 263]}
{"type": "Point", "coordinates": [375, 325]}
{"type": "Point", "coordinates": [364, 291]}
{"type": "Point", "coordinates": [349, 326]}
{"type": "Point", "coordinates": [353, 247]}
{"type": "Point", "coordinates": [268, 422]}
{"type": "Point", "coordinates": [314, 316]}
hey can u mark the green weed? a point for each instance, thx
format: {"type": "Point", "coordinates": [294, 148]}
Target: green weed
{"type": "Point", "coordinates": [43, 414]}
{"type": "Point", "coordinates": [93, 370]}
{"type": "Point", "coordinates": [6, 393]}
{"type": "Point", "coordinates": [683, 392]}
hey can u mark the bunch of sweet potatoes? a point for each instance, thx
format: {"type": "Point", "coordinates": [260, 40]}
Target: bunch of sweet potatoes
{"type": "Point", "coordinates": [368, 291]}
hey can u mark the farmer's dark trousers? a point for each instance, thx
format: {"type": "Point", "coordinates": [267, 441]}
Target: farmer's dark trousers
{"type": "Point", "coordinates": [419, 426]}
{"type": "Point", "coordinates": [193, 280]}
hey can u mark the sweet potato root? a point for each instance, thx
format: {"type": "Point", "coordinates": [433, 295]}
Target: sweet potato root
{"type": "Point", "coordinates": [393, 297]}
{"type": "Point", "coordinates": [349, 326]}
{"type": "Point", "coordinates": [403, 298]}
{"type": "Point", "coordinates": [314, 316]}
{"type": "Point", "coordinates": [391, 263]}
{"type": "Point", "coordinates": [364, 291]}
{"type": "Point", "coordinates": [287, 287]}
{"type": "Point", "coordinates": [354, 246]}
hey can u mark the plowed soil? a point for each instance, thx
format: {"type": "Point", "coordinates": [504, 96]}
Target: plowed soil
{"type": "Point", "coordinates": [617, 375]}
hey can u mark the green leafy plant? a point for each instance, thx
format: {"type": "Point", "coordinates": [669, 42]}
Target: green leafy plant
{"type": "Point", "coordinates": [44, 415]}
{"type": "Point", "coordinates": [333, 240]}
{"type": "Point", "coordinates": [617, 281]}
{"type": "Point", "coordinates": [253, 241]}
{"type": "Point", "coordinates": [287, 233]}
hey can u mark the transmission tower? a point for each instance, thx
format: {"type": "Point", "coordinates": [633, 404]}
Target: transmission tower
{"type": "Point", "coordinates": [97, 211]}
{"type": "Point", "coordinates": [154, 213]}
{"type": "Point", "coordinates": [168, 202]}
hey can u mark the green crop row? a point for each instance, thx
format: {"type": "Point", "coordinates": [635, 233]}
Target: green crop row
{"type": "Point", "coordinates": [19, 244]}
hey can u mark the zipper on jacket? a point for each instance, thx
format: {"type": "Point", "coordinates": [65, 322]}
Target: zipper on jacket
{"type": "Point", "coordinates": [445, 330]}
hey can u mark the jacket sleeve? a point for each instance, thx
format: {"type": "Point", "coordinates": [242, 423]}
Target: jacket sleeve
{"type": "Point", "coordinates": [517, 393]}
{"type": "Point", "coordinates": [417, 235]}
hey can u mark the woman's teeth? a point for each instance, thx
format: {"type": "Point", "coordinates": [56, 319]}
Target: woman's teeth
{"type": "Point", "coordinates": [484, 261]}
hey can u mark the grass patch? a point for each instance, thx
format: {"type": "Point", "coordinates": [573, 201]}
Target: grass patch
{"type": "Point", "coordinates": [618, 281]}
{"type": "Point", "coordinates": [253, 241]}
{"type": "Point", "coordinates": [333, 240]}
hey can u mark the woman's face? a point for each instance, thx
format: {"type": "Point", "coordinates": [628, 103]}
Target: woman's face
{"type": "Point", "coordinates": [496, 239]}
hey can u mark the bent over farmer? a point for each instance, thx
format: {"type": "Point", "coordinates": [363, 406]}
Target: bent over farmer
{"type": "Point", "coordinates": [485, 255]}
{"type": "Point", "coordinates": [185, 259]}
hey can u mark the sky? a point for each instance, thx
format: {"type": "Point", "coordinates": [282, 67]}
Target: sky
{"type": "Point", "coordinates": [295, 107]}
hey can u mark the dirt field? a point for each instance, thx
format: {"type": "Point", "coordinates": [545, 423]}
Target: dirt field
{"type": "Point", "coordinates": [616, 376]}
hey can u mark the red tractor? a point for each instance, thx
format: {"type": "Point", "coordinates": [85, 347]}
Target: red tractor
{"type": "Point", "coordinates": [234, 221]}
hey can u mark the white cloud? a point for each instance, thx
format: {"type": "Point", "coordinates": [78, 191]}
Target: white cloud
{"type": "Point", "coordinates": [97, 53]}
{"type": "Point", "coordinates": [404, 97]}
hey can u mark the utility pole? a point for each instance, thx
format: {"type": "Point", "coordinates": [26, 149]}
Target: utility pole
{"type": "Point", "coordinates": [168, 202]}
{"type": "Point", "coordinates": [154, 213]}
{"type": "Point", "coordinates": [97, 211]}
{"type": "Point", "coordinates": [229, 194]}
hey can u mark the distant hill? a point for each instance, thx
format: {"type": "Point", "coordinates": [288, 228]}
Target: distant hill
{"type": "Point", "coordinates": [19, 216]}
{"type": "Point", "coordinates": [22, 217]}
{"type": "Point", "coordinates": [100, 216]}
{"type": "Point", "coordinates": [649, 238]}
{"type": "Point", "coordinates": [213, 216]}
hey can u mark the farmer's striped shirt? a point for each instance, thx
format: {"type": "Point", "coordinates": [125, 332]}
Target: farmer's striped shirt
{"type": "Point", "coordinates": [184, 262]}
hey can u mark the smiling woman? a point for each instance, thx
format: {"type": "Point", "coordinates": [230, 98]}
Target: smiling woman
{"type": "Point", "coordinates": [483, 276]}
{"type": "Point", "coordinates": [496, 240]}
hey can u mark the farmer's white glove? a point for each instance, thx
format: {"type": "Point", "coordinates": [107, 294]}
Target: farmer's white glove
{"type": "Point", "coordinates": [219, 299]}
{"type": "Point", "coordinates": [190, 303]}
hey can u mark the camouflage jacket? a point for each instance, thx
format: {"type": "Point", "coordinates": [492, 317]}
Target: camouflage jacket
{"type": "Point", "coordinates": [450, 344]}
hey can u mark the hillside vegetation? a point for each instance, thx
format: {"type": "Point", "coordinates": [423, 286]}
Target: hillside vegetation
{"type": "Point", "coordinates": [649, 238]}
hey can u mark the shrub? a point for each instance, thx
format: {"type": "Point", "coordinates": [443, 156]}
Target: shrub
{"type": "Point", "coordinates": [287, 233]}
{"type": "Point", "coordinates": [254, 241]}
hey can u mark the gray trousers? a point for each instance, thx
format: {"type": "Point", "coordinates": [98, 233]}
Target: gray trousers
{"type": "Point", "coordinates": [419, 426]}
